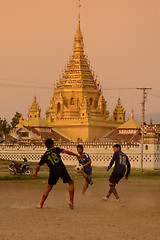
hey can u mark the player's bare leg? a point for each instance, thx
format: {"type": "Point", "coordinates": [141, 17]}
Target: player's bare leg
{"type": "Point", "coordinates": [111, 190]}
{"type": "Point", "coordinates": [109, 193]}
{"type": "Point", "coordinates": [114, 191]}
{"type": "Point", "coordinates": [88, 179]}
{"type": "Point", "coordinates": [84, 174]}
{"type": "Point", "coordinates": [45, 195]}
{"type": "Point", "coordinates": [71, 194]}
{"type": "Point", "coordinates": [85, 187]}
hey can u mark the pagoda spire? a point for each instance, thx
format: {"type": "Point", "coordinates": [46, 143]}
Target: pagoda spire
{"type": "Point", "coordinates": [132, 114]}
{"type": "Point", "coordinates": [119, 112]}
{"type": "Point", "coordinates": [34, 110]}
{"type": "Point", "coordinates": [78, 46]}
{"type": "Point", "coordinates": [79, 15]}
{"type": "Point", "coordinates": [78, 73]}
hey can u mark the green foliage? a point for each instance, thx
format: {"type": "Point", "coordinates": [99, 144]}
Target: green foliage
{"type": "Point", "coordinates": [4, 126]}
{"type": "Point", "coordinates": [15, 119]}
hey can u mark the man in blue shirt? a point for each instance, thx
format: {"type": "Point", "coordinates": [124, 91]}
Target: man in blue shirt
{"type": "Point", "coordinates": [87, 168]}
{"type": "Point", "coordinates": [121, 161]}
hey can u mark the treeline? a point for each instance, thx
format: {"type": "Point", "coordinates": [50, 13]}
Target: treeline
{"type": "Point", "coordinates": [6, 127]}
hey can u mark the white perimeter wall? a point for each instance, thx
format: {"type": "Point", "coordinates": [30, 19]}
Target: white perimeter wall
{"type": "Point", "coordinates": [100, 153]}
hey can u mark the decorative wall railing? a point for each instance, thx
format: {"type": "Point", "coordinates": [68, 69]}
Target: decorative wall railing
{"type": "Point", "coordinates": [101, 153]}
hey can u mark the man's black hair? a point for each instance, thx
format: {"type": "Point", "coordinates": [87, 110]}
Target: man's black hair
{"type": "Point", "coordinates": [117, 146]}
{"type": "Point", "coordinates": [49, 143]}
{"type": "Point", "coordinates": [80, 146]}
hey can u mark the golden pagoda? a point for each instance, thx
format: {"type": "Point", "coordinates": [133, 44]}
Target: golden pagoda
{"type": "Point", "coordinates": [34, 111]}
{"type": "Point", "coordinates": [34, 119]}
{"type": "Point", "coordinates": [78, 108]}
{"type": "Point", "coordinates": [130, 127]}
{"type": "Point", "coordinates": [119, 112]}
{"type": "Point", "coordinates": [130, 124]}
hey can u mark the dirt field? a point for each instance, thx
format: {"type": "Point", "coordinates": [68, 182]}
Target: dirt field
{"type": "Point", "coordinates": [136, 216]}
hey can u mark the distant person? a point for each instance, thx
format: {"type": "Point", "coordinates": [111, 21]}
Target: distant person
{"type": "Point", "coordinates": [57, 170]}
{"type": "Point", "coordinates": [121, 161]}
{"type": "Point", "coordinates": [87, 168]}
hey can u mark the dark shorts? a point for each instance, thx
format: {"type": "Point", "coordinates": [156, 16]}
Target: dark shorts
{"type": "Point", "coordinates": [63, 174]}
{"type": "Point", "coordinates": [115, 178]}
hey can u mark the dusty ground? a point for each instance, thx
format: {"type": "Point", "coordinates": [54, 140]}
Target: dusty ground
{"type": "Point", "coordinates": [137, 216]}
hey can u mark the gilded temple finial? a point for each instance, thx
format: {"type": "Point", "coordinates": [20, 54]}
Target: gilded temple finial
{"type": "Point", "coordinates": [132, 114]}
{"type": "Point", "coordinates": [79, 15]}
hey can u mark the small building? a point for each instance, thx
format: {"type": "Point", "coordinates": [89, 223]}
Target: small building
{"type": "Point", "coordinates": [36, 128]}
{"type": "Point", "coordinates": [128, 132]}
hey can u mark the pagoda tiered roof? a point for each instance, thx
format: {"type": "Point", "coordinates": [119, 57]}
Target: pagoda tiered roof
{"type": "Point", "coordinates": [78, 73]}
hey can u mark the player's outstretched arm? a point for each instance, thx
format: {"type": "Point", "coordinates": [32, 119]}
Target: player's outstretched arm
{"type": "Point", "coordinates": [70, 153]}
{"type": "Point", "coordinates": [36, 171]}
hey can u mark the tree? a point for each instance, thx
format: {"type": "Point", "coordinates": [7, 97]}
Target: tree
{"type": "Point", "coordinates": [15, 119]}
{"type": "Point", "coordinates": [4, 126]}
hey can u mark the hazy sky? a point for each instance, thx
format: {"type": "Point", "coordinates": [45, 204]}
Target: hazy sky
{"type": "Point", "coordinates": [122, 41]}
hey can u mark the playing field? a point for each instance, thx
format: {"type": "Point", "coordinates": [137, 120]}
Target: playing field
{"type": "Point", "coordinates": [136, 216]}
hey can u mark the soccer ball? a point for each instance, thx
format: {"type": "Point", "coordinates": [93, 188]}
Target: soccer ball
{"type": "Point", "coordinates": [78, 168]}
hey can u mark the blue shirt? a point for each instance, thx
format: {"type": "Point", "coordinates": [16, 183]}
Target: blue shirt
{"type": "Point", "coordinates": [84, 159]}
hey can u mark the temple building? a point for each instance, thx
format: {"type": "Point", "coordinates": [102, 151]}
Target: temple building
{"type": "Point", "coordinates": [78, 108]}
